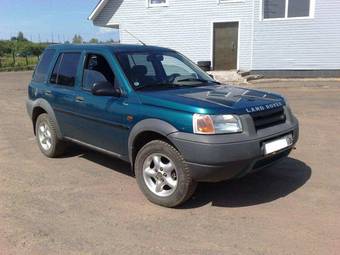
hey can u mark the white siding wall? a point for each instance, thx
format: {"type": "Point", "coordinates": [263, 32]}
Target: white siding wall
{"type": "Point", "coordinates": [299, 44]}
{"type": "Point", "coordinates": [186, 26]}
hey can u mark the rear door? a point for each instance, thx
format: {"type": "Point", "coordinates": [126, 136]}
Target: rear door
{"type": "Point", "coordinates": [62, 93]}
{"type": "Point", "coordinates": [39, 86]}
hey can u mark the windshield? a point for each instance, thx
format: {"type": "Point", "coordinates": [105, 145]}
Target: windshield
{"type": "Point", "coordinates": [156, 70]}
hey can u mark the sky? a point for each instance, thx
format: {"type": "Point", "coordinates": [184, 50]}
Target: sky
{"type": "Point", "coordinates": [44, 20]}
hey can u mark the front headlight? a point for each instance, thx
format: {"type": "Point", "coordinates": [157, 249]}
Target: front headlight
{"type": "Point", "coordinates": [216, 124]}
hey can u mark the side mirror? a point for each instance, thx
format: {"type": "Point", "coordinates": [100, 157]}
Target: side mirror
{"type": "Point", "coordinates": [105, 88]}
{"type": "Point", "coordinates": [212, 76]}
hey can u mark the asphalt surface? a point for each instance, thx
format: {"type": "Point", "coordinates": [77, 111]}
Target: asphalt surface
{"type": "Point", "coordinates": [88, 203]}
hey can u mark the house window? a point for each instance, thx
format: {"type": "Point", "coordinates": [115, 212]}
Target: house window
{"type": "Point", "coordinates": [153, 3]}
{"type": "Point", "coordinates": [298, 8]}
{"type": "Point", "coordinates": [276, 9]}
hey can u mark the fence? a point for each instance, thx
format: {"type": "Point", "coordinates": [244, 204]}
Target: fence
{"type": "Point", "coordinates": [17, 63]}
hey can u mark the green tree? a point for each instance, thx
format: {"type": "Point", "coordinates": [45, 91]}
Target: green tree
{"type": "Point", "coordinates": [14, 48]}
{"type": "Point", "coordinates": [2, 48]}
{"type": "Point", "coordinates": [77, 39]}
{"type": "Point", "coordinates": [25, 52]}
{"type": "Point", "coordinates": [21, 37]}
{"type": "Point", "coordinates": [37, 49]}
{"type": "Point", "coordinates": [94, 40]}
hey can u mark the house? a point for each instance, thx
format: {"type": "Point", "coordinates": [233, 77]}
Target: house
{"type": "Point", "coordinates": [272, 37]}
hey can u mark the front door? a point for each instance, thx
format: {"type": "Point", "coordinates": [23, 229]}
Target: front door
{"type": "Point", "coordinates": [100, 119]}
{"type": "Point", "coordinates": [225, 41]}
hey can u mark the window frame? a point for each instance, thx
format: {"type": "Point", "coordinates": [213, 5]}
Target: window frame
{"type": "Point", "coordinates": [150, 5]}
{"type": "Point", "coordinates": [55, 62]}
{"type": "Point", "coordinates": [286, 17]}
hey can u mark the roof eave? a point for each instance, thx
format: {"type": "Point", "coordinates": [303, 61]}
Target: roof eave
{"type": "Point", "coordinates": [101, 4]}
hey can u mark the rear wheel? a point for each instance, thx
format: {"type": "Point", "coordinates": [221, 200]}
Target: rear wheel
{"type": "Point", "coordinates": [163, 175]}
{"type": "Point", "coordinates": [46, 135]}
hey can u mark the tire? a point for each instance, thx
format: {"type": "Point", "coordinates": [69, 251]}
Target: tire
{"type": "Point", "coordinates": [52, 146]}
{"type": "Point", "coordinates": [147, 175]}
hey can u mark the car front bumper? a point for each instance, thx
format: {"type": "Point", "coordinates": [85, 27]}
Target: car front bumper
{"type": "Point", "coordinates": [221, 157]}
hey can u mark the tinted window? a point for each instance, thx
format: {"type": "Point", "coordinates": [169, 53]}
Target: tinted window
{"type": "Point", "coordinates": [54, 74]}
{"type": "Point", "coordinates": [65, 70]}
{"type": "Point", "coordinates": [96, 69]}
{"type": "Point", "coordinates": [274, 9]}
{"type": "Point", "coordinates": [298, 8]}
{"type": "Point", "coordinates": [40, 74]}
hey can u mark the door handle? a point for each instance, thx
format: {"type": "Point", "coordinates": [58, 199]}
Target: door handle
{"type": "Point", "coordinates": [233, 45]}
{"type": "Point", "coordinates": [79, 99]}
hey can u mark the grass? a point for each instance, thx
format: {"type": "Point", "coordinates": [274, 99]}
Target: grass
{"type": "Point", "coordinates": [17, 68]}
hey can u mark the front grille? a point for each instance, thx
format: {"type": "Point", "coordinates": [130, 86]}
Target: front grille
{"type": "Point", "coordinates": [269, 118]}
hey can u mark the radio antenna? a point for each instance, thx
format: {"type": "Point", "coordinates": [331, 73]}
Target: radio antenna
{"type": "Point", "coordinates": [135, 37]}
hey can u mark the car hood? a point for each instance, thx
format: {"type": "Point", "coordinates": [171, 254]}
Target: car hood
{"type": "Point", "coordinates": [215, 99]}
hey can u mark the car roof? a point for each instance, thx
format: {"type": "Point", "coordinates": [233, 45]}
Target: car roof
{"type": "Point", "coordinates": [111, 47]}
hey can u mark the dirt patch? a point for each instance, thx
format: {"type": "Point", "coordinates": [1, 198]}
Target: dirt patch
{"type": "Point", "coordinates": [88, 203]}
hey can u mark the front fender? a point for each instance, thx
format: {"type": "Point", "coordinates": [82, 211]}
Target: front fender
{"type": "Point", "coordinates": [154, 125]}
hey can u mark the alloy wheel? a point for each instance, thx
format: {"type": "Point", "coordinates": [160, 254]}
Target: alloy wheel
{"type": "Point", "coordinates": [160, 175]}
{"type": "Point", "coordinates": [45, 136]}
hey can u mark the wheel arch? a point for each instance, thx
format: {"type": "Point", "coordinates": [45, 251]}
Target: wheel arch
{"type": "Point", "coordinates": [41, 106]}
{"type": "Point", "coordinates": [146, 131]}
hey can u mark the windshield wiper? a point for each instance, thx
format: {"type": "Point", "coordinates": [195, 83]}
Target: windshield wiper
{"type": "Point", "coordinates": [175, 85]}
{"type": "Point", "coordinates": [158, 85]}
{"type": "Point", "coordinates": [200, 80]}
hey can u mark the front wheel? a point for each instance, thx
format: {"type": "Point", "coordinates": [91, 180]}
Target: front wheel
{"type": "Point", "coordinates": [163, 175]}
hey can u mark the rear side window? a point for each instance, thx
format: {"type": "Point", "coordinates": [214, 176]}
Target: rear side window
{"type": "Point", "coordinates": [41, 71]}
{"type": "Point", "coordinates": [65, 70]}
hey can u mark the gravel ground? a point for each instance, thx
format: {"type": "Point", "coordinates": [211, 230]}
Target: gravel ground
{"type": "Point", "coordinates": [88, 203]}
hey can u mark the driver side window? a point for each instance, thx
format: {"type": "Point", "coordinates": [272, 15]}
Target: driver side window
{"type": "Point", "coordinates": [96, 69]}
